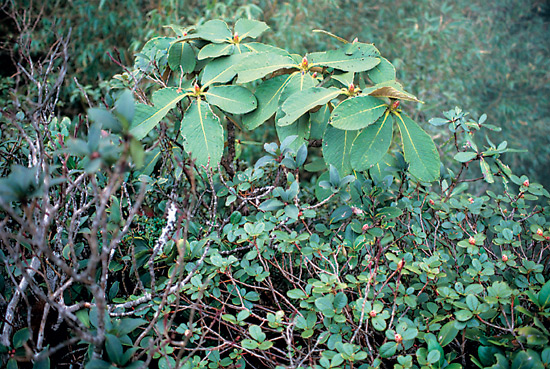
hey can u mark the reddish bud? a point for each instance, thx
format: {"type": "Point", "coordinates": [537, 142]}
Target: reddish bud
{"type": "Point", "coordinates": [400, 264]}
{"type": "Point", "coordinates": [504, 258]}
{"type": "Point", "coordinates": [539, 232]}
{"type": "Point", "coordinates": [188, 333]}
{"type": "Point", "coordinates": [395, 105]}
{"type": "Point", "coordinates": [365, 227]}
{"type": "Point", "coordinates": [236, 37]}
{"type": "Point", "coordinates": [526, 183]}
{"type": "Point", "coordinates": [431, 201]}
{"type": "Point", "coordinates": [471, 200]}
{"type": "Point", "coordinates": [472, 241]}
{"type": "Point", "coordinates": [314, 75]}
{"type": "Point", "coordinates": [304, 62]}
{"type": "Point", "coordinates": [94, 155]}
{"type": "Point", "coordinates": [197, 88]}
{"type": "Point", "coordinates": [351, 88]}
{"type": "Point", "coordinates": [398, 338]}
{"type": "Point", "coordinates": [372, 313]}
{"type": "Point", "coordinates": [355, 40]}
{"type": "Point", "coordinates": [547, 237]}
{"type": "Point", "coordinates": [184, 34]}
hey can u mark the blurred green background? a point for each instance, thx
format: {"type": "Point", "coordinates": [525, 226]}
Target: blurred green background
{"type": "Point", "coordinates": [488, 57]}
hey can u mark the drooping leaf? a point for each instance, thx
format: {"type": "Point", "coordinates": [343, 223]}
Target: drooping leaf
{"type": "Point", "coordinates": [337, 145]}
{"type": "Point", "coordinates": [544, 295]}
{"type": "Point", "coordinates": [303, 101]}
{"type": "Point", "coordinates": [354, 58]}
{"type": "Point", "coordinates": [419, 149]}
{"type": "Point", "coordinates": [370, 146]}
{"type": "Point", "coordinates": [486, 171]}
{"type": "Point", "coordinates": [299, 128]}
{"type": "Point", "coordinates": [250, 28]}
{"type": "Point", "coordinates": [258, 65]}
{"type": "Point", "coordinates": [257, 47]}
{"type": "Point", "coordinates": [296, 83]}
{"type": "Point", "coordinates": [215, 51]}
{"type": "Point", "coordinates": [203, 134]}
{"type": "Point", "coordinates": [147, 117]}
{"type": "Point", "coordinates": [390, 89]}
{"type": "Point", "coordinates": [267, 94]}
{"type": "Point", "coordinates": [181, 54]}
{"type": "Point", "coordinates": [319, 121]}
{"type": "Point", "coordinates": [232, 99]}
{"type": "Point", "coordinates": [220, 70]}
{"type": "Point", "coordinates": [383, 72]}
{"type": "Point", "coordinates": [357, 112]}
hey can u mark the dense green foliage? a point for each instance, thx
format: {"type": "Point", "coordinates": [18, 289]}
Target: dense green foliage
{"type": "Point", "coordinates": [489, 56]}
{"type": "Point", "coordinates": [160, 230]}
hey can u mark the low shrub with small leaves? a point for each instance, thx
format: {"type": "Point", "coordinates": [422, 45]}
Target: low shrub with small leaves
{"type": "Point", "coordinates": [154, 234]}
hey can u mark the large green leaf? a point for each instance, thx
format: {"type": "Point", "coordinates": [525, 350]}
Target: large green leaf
{"type": "Point", "coordinates": [221, 70]}
{"type": "Point", "coordinates": [383, 72]}
{"type": "Point", "coordinates": [337, 145]}
{"type": "Point", "coordinates": [370, 146]}
{"type": "Point", "coordinates": [267, 94]}
{"type": "Point", "coordinates": [257, 47]}
{"type": "Point", "coordinates": [215, 50]}
{"type": "Point", "coordinates": [258, 65]}
{"type": "Point", "coordinates": [203, 134]}
{"type": "Point", "coordinates": [353, 58]}
{"type": "Point", "coordinates": [181, 54]}
{"type": "Point", "coordinates": [232, 99]}
{"type": "Point", "coordinates": [419, 149]}
{"type": "Point", "coordinates": [147, 117]}
{"type": "Point", "coordinates": [303, 101]}
{"type": "Point", "coordinates": [214, 31]}
{"type": "Point", "coordinates": [250, 28]}
{"type": "Point", "coordinates": [297, 82]}
{"type": "Point", "coordinates": [357, 112]}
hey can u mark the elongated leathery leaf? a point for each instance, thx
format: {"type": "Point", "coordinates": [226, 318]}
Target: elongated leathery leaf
{"type": "Point", "coordinates": [221, 70]}
{"type": "Point", "coordinates": [256, 66]}
{"type": "Point", "coordinates": [391, 89]}
{"type": "Point", "coordinates": [352, 58]}
{"type": "Point", "coordinates": [214, 31]}
{"type": "Point", "coordinates": [250, 28]}
{"type": "Point", "coordinates": [268, 94]}
{"type": "Point", "coordinates": [147, 117]}
{"type": "Point", "coordinates": [299, 128]}
{"type": "Point", "coordinates": [419, 149]}
{"type": "Point", "coordinates": [215, 50]}
{"type": "Point", "coordinates": [203, 134]}
{"type": "Point", "coordinates": [303, 101]}
{"type": "Point", "coordinates": [232, 99]}
{"type": "Point", "coordinates": [181, 54]}
{"type": "Point", "coordinates": [383, 72]}
{"type": "Point", "coordinates": [357, 112]}
{"type": "Point", "coordinates": [297, 82]}
{"type": "Point", "coordinates": [370, 146]}
{"type": "Point", "coordinates": [337, 145]}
